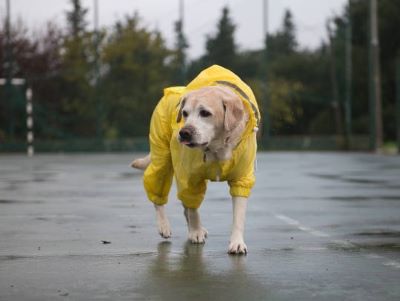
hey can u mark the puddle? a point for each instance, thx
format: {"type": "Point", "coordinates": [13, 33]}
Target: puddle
{"type": "Point", "coordinates": [381, 246]}
{"type": "Point", "coordinates": [286, 249]}
{"type": "Point", "coordinates": [325, 176]}
{"type": "Point", "coordinates": [344, 179]}
{"type": "Point", "coordinates": [59, 218]}
{"type": "Point", "coordinates": [39, 180]}
{"type": "Point", "coordinates": [140, 254]}
{"type": "Point", "coordinates": [218, 199]}
{"type": "Point", "coordinates": [129, 175]}
{"type": "Point", "coordinates": [385, 233]}
{"type": "Point", "coordinates": [19, 202]}
{"type": "Point", "coordinates": [8, 202]}
{"type": "Point", "coordinates": [392, 186]}
{"type": "Point", "coordinates": [357, 247]}
{"type": "Point", "coordinates": [42, 219]}
{"type": "Point", "coordinates": [13, 257]}
{"type": "Point", "coordinates": [363, 181]}
{"type": "Point", "coordinates": [129, 206]}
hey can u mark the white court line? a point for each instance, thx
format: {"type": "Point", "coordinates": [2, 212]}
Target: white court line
{"type": "Point", "coordinates": [343, 243]}
{"type": "Point", "coordinates": [392, 263]}
{"type": "Point", "coordinates": [297, 224]}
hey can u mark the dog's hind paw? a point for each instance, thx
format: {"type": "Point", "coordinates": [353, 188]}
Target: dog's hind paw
{"type": "Point", "coordinates": [237, 247]}
{"type": "Point", "coordinates": [141, 163]}
{"type": "Point", "coordinates": [198, 236]}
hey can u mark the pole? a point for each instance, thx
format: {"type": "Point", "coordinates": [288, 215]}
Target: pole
{"type": "Point", "coordinates": [8, 68]}
{"type": "Point", "coordinates": [335, 87]}
{"type": "Point", "coordinates": [181, 12]}
{"type": "Point", "coordinates": [181, 41]}
{"type": "Point", "coordinates": [29, 123]}
{"type": "Point", "coordinates": [398, 102]}
{"type": "Point", "coordinates": [376, 129]}
{"type": "Point", "coordinates": [96, 15]}
{"type": "Point", "coordinates": [265, 17]}
{"type": "Point", "coordinates": [5, 46]}
{"type": "Point", "coordinates": [264, 86]}
{"type": "Point", "coordinates": [96, 70]}
{"type": "Point", "coordinates": [8, 63]}
{"type": "Point", "coordinates": [348, 75]}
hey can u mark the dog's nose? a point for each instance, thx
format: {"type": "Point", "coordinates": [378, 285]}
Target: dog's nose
{"type": "Point", "coordinates": [185, 134]}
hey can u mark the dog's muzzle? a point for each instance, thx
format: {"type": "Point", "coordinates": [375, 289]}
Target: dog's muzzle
{"type": "Point", "coordinates": [186, 135]}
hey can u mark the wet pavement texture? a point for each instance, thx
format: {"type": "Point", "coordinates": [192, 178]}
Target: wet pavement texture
{"type": "Point", "coordinates": [320, 226]}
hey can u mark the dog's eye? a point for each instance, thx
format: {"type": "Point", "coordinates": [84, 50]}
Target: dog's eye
{"type": "Point", "coordinates": [185, 114]}
{"type": "Point", "coordinates": [204, 113]}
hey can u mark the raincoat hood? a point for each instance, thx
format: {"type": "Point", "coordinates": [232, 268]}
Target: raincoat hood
{"type": "Point", "coordinates": [217, 75]}
{"type": "Point", "coordinates": [169, 157]}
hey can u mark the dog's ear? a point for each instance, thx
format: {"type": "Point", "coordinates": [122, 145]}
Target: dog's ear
{"type": "Point", "coordinates": [181, 105]}
{"type": "Point", "coordinates": [233, 108]}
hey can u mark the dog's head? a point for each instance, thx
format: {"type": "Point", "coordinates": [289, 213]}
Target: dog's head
{"type": "Point", "coordinates": [208, 113]}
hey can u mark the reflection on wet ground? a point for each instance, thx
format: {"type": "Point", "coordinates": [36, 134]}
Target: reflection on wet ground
{"type": "Point", "coordinates": [320, 226]}
{"type": "Point", "coordinates": [197, 278]}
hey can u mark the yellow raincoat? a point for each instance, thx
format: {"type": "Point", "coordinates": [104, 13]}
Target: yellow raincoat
{"type": "Point", "coordinates": [169, 157]}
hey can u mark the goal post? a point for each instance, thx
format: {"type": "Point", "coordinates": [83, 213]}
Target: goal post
{"type": "Point", "coordinates": [29, 112]}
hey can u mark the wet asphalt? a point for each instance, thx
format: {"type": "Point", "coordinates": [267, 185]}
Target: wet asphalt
{"type": "Point", "coordinates": [320, 226]}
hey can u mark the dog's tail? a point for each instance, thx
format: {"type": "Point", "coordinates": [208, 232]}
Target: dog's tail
{"type": "Point", "coordinates": [141, 163]}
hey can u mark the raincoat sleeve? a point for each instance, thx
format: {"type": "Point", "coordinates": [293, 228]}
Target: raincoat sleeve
{"type": "Point", "coordinates": [243, 177]}
{"type": "Point", "coordinates": [158, 175]}
{"type": "Point", "coordinates": [242, 186]}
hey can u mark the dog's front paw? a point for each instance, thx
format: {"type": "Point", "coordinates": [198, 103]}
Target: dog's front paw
{"type": "Point", "coordinates": [237, 247]}
{"type": "Point", "coordinates": [198, 236]}
{"type": "Point", "coordinates": [164, 229]}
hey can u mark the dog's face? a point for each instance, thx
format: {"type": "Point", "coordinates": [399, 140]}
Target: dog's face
{"type": "Point", "coordinates": [208, 113]}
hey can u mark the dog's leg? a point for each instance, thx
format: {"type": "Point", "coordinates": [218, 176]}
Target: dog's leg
{"type": "Point", "coordinates": [141, 163]}
{"type": "Point", "coordinates": [164, 227]}
{"type": "Point", "coordinates": [197, 234]}
{"type": "Point", "coordinates": [237, 245]}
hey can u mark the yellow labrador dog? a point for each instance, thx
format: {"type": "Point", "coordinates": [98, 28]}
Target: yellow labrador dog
{"type": "Point", "coordinates": [198, 135]}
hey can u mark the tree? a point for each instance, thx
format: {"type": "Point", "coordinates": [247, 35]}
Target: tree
{"type": "Point", "coordinates": [285, 108]}
{"type": "Point", "coordinates": [136, 74]}
{"type": "Point", "coordinates": [178, 63]}
{"type": "Point", "coordinates": [283, 42]}
{"type": "Point", "coordinates": [76, 19]}
{"type": "Point", "coordinates": [45, 77]}
{"type": "Point", "coordinates": [289, 32]}
{"type": "Point", "coordinates": [299, 78]}
{"type": "Point", "coordinates": [136, 65]}
{"type": "Point", "coordinates": [78, 53]}
{"type": "Point", "coordinates": [221, 48]}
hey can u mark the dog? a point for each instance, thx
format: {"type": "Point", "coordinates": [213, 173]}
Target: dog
{"type": "Point", "coordinates": [204, 131]}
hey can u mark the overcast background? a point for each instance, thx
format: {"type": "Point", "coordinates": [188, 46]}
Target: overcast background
{"type": "Point", "coordinates": [201, 17]}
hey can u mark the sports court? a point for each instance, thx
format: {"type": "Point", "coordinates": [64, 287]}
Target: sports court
{"type": "Point", "coordinates": [323, 226]}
